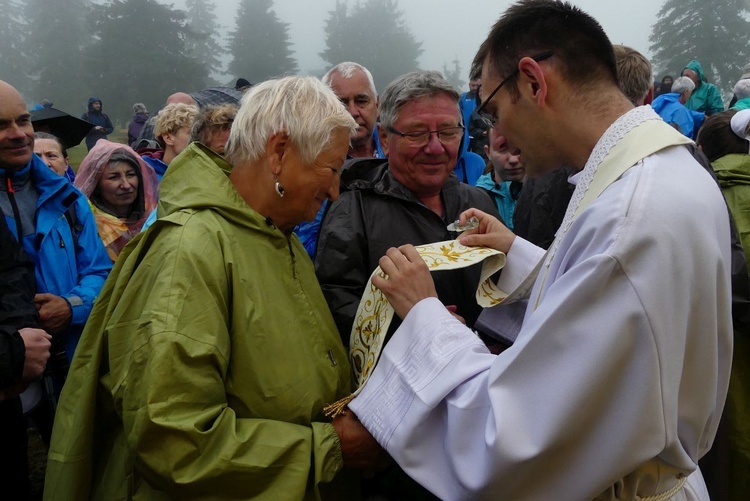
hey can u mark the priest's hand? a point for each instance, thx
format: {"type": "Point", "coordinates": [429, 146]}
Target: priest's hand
{"type": "Point", "coordinates": [408, 280]}
{"type": "Point", "coordinates": [54, 312]}
{"type": "Point", "coordinates": [491, 232]}
{"type": "Point", "coordinates": [358, 448]}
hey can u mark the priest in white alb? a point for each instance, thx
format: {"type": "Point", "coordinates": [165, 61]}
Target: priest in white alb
{"type": "Point", "coordinates": [615, 384]}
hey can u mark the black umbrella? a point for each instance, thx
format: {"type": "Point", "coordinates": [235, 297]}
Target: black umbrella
{"type": "Point", "coordinates": [216, 96]}
{"type": "Point", "coordinates": [71, 130]}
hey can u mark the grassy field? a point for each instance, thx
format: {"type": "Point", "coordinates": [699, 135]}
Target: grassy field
{"type": "Point", "coordinates": [75, 155]}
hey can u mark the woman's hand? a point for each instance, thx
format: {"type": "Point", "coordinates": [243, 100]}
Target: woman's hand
{"type": "Point", "coordinates": [491, 232]}
{"type": "Point", "coordinates": [408, 279]}
{"type": "Point", "coordinates": [358, 448]}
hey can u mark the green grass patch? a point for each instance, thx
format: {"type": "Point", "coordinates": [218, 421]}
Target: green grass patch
{"type": "Point", "coordinates": [78, 153]}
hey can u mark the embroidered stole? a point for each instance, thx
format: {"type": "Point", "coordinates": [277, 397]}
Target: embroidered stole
{"type": "Point", "coordinates": [375, 313]}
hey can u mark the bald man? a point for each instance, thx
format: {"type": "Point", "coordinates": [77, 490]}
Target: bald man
{"type": "Point", "coordinates": [147, 139]}
{"type": "Point", "coordinates": [54, 224]}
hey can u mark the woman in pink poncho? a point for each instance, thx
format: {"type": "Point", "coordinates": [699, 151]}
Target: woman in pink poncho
{"type": "Point", "coordinates": [122, 191]}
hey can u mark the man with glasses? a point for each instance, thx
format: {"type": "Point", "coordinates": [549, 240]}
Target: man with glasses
{"type": "Point", "coordinates": [615, 384]}
{"type": "Point", "coordinates": [409, 198]}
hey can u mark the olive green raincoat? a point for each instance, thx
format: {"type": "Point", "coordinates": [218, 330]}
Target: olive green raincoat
{"type": "Point", "coordinates": [733, 173]}
{"type": "Point", "coordinates": [205, 365]}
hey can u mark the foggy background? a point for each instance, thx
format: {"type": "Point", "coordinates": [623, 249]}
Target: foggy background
{"type": "Point", "coordinates": [448, 29]}
{"type": "Point", "coordinates": [128, 51]}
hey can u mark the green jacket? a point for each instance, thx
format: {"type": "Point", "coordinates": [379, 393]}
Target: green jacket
{"type": "Point", "coordinates": [733, 173]}
{"type": "Point", "coordinates": [705, 97]}
{"type": "Point", "coordinates": [205, 365]}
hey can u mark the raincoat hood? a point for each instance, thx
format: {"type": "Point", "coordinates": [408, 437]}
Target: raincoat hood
{"type": "Point", "coordinates": [733, 170]}
{"type": "Point", "coordinates": [200, 188]}
{"type": "Point", "coordinates": [696, 67]}
{"type": "Point", "coordinates": [93, 165]}
{"type": "Point", "coordinates": [733, 174]}
{"type": "Point", "coordinates": [93, 100]}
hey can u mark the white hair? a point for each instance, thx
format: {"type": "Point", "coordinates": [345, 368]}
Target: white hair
{"type": "Point", "coordinates": [346, 70]}
{"type": "Point", "coordinates": [303, 107]}
{"type": "Point", "coordinates": [682, 84]}
{"type": "Point", "coordinates": [742, 89]}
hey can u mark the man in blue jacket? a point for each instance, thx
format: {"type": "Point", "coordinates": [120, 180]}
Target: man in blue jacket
{"type": "Point", "coordinates": [54, 223]}
{"type": "Point", "coordinates": [102, 124]}
{"type": "Point", "coordinates": [671, 107]}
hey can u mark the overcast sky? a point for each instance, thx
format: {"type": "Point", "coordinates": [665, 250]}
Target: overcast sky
{"type": "Point", "coordinates": [446, 28]}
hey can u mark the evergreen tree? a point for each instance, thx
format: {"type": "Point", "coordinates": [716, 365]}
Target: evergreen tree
{"type": "Point", "coordinates": [14, 65]}
{"type": "Point", "coordinates": [260, 45]}
{"type": "Point", "coordinates": [373, 34]}
{"type": "Point", "coordinates": [202, 43]}
{"type": "Point", "coordinates": [58, 35]}
{"type": "Point", "coordinates": [140, 54]}
{"type": "Point", "coordinates": [454, 76]}
{"type": "Point", "coordinates": [717, 34]}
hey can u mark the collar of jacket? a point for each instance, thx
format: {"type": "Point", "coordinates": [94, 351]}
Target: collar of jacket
{"type": "Point", "coordinates": [49, 184]}
{"type": "Point", "coordinates": [198, 179]}
{"type": "Point", "coordinates": [374, 175]}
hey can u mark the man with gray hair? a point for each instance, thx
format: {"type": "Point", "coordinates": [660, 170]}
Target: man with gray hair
{"type": "Point", "coordinates": [671, 107]}
{"type": "Point", "coordinates": [353, 85]}
{"type": "Point", "coordinates": [742, 92]}
{"type": "Point", "coordinates": [409, 198]}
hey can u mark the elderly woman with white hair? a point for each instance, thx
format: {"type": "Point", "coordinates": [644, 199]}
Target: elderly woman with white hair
{"type": "Point", "coordinates": [205, 366]}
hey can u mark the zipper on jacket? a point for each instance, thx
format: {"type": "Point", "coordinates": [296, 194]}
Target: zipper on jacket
{"type": "Point", "coordinates": [14, 205]}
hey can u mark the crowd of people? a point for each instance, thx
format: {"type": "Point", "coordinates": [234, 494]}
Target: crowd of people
{"type": "Point", "coordinates": [177, 313]}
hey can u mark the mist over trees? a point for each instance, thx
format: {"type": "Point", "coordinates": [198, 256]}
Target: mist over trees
{"type": "Point", "coordinates": [203, 44]}
{"type": "Point", "coordinates": [57, 36]}
{"type": "Point", "coordinates": [716, 34]}
{"type": "Point", "coordinates": [139, 51]}
{"type": "Point", "coordinates": [374, 34]}
{"type": "Point", "coordinates": [12, 28]}
{"type": "Point", "coordinates": [260, 44]}
{"type": "Point", "coordinates": [128, 51]}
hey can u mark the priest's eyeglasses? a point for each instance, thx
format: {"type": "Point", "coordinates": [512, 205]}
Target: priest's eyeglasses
{"type": "Point", "coordinates": [448, 135]}
{"type": "Point", "coordinates": [488, 119]}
